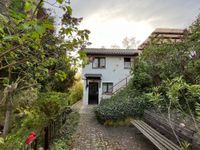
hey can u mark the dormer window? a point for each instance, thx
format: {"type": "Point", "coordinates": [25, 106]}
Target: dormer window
{"type": "Point", "coordinates": [127, 63]}
{"type": "Point", "coordinates": [99, 62]}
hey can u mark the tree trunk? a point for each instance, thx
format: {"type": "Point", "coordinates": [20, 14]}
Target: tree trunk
{"type": "Point", "coordinates": [8, 117]}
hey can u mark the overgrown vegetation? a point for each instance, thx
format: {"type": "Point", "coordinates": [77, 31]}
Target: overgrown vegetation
{"type": "Point", "coordinates": [37, 69]}
{"type": "Point", "coordinates": [165, 78]}
{"type": "Point", "coordinates": [63, 140]}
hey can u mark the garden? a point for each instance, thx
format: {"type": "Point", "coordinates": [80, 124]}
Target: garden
{"type": "Point", "coordinates": [38, 73]}
{"type": "Point", "coordinates": [165, 80]}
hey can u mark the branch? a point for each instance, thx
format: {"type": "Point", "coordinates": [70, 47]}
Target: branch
{"type": "Point", "coordinates": [26, 87]}
{"type": "Point", "coordinates": [53, 5]}
{"type": "Point", "coordinates": [10, 50]}
{"type": "Point", "coordinates": [12, 64]}
{"type": "Point", "coordinates": [38, 5]}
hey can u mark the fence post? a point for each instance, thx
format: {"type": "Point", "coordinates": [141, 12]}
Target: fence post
{"type": "Point", "coordinates": [46, 139]}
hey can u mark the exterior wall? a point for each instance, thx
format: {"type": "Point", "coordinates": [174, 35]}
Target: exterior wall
{"type": "Point", "coordinates": [113, 72]}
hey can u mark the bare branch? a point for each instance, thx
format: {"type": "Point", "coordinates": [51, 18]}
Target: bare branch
{"type": "Point", "coordinates": [26, 87]}
{"type": "Point", "coordinates": [53, 5]}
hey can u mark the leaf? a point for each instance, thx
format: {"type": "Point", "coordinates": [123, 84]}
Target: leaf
{"type": "Point", "coordinates": [10, 37]}
{"type": "Point", "coordinates": [1, 29]}
{"type": "Point", "coordinates": [39, 29]}
{"type": "Point", "coordinates": [48, 25]}
{"type": "Point", "coordinates": [3, 19]}
{"type": "Point", "coordinates": [59, 1]}
{"type": "Point", "coordinates": [1, 140]}
{"type": "Point", "coordinates": [69, 10]}
{"type": "Point", "coordinates": [27, 6]}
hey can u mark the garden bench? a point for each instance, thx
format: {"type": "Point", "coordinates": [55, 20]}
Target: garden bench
{"type": "Point", "coordinates": [168, 128]}
{"type": "Point", "coordinates": [160, 141]}
{"type": "Point", "coordinates": [160, 131]}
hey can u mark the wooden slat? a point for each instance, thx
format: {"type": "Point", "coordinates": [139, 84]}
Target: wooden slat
{"type": "Point", "coordinates": [162, 138]}
{"type": "Point", "coordinates": [183, 133]}
{"type": "Point", "coordinates": [164, 142]}
{"type": "Point", "coordinates": [155, 142]}
{"type": "Point", "coordinates": [154, 136]}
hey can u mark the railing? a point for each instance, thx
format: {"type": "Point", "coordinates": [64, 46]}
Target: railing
{"type": "Point", "coordinates": [49, 132]}
{"type": "Point", "coordinates": [121, 84]}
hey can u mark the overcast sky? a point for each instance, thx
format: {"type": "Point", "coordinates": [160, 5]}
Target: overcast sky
{"type": "Point", "coordinates": [110, 21]}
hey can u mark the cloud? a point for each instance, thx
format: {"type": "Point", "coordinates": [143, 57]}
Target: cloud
{"type": "Point", "coordinates": [111, 20]}
{"type": "Point", "coordinates": [179, 11]}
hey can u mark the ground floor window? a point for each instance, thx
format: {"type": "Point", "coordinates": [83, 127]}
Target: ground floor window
{"type": "Point", "coordinates": [107, 88]}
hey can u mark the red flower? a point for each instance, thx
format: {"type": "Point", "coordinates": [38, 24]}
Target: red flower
{"type": "Point", "coordinates": [30, 138]}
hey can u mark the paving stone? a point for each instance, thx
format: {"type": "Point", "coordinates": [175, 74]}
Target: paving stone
{"type": "Point", "coordinates": [91, 135]}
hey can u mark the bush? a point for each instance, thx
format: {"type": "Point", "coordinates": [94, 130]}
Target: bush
{"type": "Point", "coordinates": [63, 141]}
{"type": "Point", "coordinates": [51, 103]}
{"type": "Point", "coordinates": [121, 106]}
{"type": "Point", "coordinates": [76, 92]}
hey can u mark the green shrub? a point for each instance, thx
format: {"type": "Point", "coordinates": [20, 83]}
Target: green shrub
{"type": "Point", "coordinates": [33, 120]}
{"type": "Point", "coordinates": [76, 92]}
{"type": "Point", "coordinates": [121, 106]}
{"type": "Point", "coordinates": [52, 102]}
{"type": "Point", "coordinates": [63, 142]}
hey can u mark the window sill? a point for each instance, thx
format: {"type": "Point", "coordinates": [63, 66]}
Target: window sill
{"type": "Point", "coordinates": [127, 67]}
{"type": "Point", "coordinates": [98, 68]}
{"type": "Point", "coordinates": [107, 93]}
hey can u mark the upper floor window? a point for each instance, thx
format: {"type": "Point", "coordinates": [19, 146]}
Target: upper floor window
{"type": "Point", "coordinates": [127, 63]}
{"type": "Point", "coordinates": [99, 62]}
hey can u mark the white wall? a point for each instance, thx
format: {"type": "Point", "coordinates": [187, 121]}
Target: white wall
{"type": "Point", "coordinates": [114, 72]}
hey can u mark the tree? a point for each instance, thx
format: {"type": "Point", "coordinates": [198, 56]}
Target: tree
{"type": "Point", "coordinates": [115, 46]}
{"type": "Point", "coordinates": [27, 56]}
{"type": "Point", "coordinates": [129, 43]}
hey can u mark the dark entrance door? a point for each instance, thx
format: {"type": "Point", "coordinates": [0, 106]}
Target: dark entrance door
{"type": "Point", "coordinates": [93, 93]}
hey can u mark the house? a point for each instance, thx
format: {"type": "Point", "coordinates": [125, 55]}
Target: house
{"type": "Point", "coordinates": [165, 35]}
{"type": "Point", "coordinates": [108, 70]}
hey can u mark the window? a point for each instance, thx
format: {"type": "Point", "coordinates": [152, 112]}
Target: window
{"type": "Point", "coordinates": [99, 62]}
{"type": "Point", "coordinates": [107, 88]}
{"type": "Point", "coordinates": [127, 63]}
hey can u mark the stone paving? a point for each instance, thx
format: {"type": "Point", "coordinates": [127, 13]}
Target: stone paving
{"type": "Point", "coordinates": [90, 135]}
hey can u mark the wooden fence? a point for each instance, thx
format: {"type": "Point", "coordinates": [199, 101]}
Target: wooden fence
{"type": "Point", "coordinates": [49, 132]}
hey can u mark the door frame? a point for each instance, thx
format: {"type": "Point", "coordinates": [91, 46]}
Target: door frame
{"type": "Point", "coordinates": [97, 99]}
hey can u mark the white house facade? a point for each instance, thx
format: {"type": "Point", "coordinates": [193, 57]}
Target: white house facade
{"type": "Point", "coordinates": [108, 70]}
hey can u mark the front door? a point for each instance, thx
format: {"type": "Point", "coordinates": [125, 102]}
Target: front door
{"type": "Point", "coordinates": [93, 93]}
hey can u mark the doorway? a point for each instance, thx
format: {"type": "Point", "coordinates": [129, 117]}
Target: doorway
{"type": "Point", "coordinates": [93, 93]}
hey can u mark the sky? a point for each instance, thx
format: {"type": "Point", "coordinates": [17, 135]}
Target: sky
{"type": "Point", "coordinates": [110, 21]}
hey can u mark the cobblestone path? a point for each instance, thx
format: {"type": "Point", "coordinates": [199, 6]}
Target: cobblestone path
{"type": "Point", "coordinates": [90, 135]}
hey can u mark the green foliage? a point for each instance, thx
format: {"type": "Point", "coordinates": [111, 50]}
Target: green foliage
{"type": "Point", "coordinates": [63, 141]}
{"type": "Point", "coordinates": [32, 55]}
{"type": "Point", "coordinates": [52, 103]}
{"type": "Point", "coordinates": [32, 120]}
{"type": "Point", "coordinates": [76, 92]}
{"type": "Point", "coordinates": [126, 103]}
{"type": "Point", "coordinates": [176, 94]}
{"type": "Point", "coordinates": [185, 146]}
{"type": "Point", "coordinates": [33, 116]}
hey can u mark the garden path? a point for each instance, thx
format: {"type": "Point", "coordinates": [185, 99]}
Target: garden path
{"type": "Point", "coordinates": [90, 135]}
